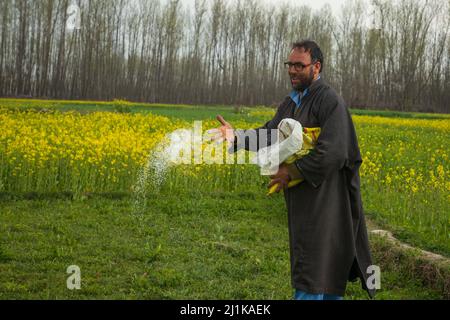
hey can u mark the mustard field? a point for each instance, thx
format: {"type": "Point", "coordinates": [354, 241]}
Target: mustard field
{"type": "Point", "coordinates": [82, 148]}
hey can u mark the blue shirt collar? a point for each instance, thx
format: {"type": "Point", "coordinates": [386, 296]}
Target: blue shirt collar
{"type": "Point", "coordinates": [297, 97]}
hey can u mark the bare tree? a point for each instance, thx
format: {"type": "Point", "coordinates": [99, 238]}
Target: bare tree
{"type": "Point", "coordinates": [224, 52]}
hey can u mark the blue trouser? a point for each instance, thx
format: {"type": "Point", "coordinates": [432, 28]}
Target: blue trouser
{"type": "Point", "coordinates": [300, 295]}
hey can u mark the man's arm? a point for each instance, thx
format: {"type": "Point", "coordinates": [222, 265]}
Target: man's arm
{"type": "Point", "coordinates": [254, 139]}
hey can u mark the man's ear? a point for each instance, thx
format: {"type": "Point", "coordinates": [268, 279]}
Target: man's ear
{"type": "Point", "coordinates": [317, 66]}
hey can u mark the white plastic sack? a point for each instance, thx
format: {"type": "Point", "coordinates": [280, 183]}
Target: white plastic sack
{"type": "Point", "coordinates": [289, 141]}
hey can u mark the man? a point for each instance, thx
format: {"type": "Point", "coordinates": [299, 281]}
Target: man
{"type": "Point", "coordinates": [327, 230]}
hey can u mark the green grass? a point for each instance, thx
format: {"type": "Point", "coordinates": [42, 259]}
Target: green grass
{"type": "Point", "coordinates": [183, 111]}
{"type": "Point", "coordinates": [219, 246]}
{"type": "Point", "coordinates": [400, 114]}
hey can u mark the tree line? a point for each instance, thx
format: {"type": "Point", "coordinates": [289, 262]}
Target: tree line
{"type": "Point", "coordinates": [224, 52]}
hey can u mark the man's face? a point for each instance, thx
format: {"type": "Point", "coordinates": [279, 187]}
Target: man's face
{"type": "Point", "coordinates": [301, 78]}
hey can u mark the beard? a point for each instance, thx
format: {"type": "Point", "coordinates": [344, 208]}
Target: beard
{"type": "Point", "coordinates": [304, 81]}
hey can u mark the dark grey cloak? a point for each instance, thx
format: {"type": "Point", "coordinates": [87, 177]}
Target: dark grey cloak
{"type": "Point", "coordinates": [327, 230]}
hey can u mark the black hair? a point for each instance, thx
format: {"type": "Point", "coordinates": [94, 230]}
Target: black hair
{"type": "Point", "coordinates": [312, 48]}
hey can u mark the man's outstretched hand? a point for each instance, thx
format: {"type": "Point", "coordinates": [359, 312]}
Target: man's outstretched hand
{"type": "Point", "coordinates": [224, 133]}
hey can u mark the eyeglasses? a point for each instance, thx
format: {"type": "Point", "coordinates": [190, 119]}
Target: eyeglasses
{"type": "Point", "coordinates": [298, 66]}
